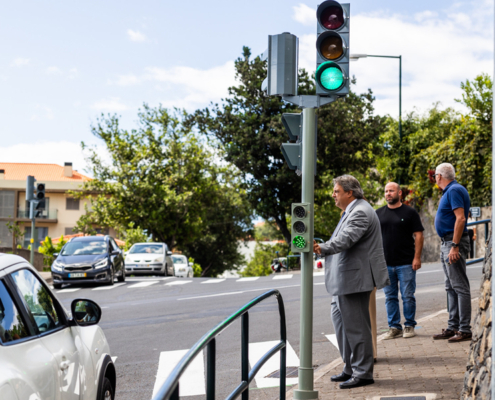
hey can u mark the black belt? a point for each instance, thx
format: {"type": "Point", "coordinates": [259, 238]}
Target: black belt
{"type": "Point", "coordinates": [450, 236]}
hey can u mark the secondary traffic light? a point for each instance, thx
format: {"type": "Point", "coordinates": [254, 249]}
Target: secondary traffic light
{"type": "Point", "coordinates": [30, 188]}
{"type": "Point", "coordinates": [40, 192]}
{"type": "Point", "coordinates": [332, 48]}
{"type": "Point", "coordinates": [292, 152]}
{"type": "Point", "coordinates": [302, 228]}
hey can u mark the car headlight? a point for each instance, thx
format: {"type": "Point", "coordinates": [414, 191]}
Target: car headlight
{"type": "Point", "coordinates": [101, 263]}
{"type": "Point", "coordinates": [57, 266]}
{"type": "Point", "coordinates": [159, 259]}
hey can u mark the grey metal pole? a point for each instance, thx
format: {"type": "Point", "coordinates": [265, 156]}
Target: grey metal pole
{"type": "Point", "coordinates": [33, 224]}
{"type": "Point", "coordinates": [400, 113]}
{"type": "Point", "coordinates": [306, 374]}
{"type": "Point", "coordinates": [493, 252]}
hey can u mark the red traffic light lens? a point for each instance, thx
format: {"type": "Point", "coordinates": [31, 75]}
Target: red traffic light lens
{"type": "Point", "coordinates": [330, 46]}
{"type": "Point", "coordinates": [332, 17]}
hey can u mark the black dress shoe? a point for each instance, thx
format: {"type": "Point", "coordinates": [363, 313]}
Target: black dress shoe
{"type": "Point", "coordinates": [342, 377]}
{"type": "Point", "coordinates": [356, 382]}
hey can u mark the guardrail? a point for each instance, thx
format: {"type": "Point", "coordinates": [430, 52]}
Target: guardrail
{"type": "Point", "coordinates": [483, 221]}
{"type": "Point", "coordinates": [170, 388]}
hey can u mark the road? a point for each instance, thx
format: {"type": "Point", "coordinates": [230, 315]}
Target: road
{"type": "Point", "coordinates": [150, 322]}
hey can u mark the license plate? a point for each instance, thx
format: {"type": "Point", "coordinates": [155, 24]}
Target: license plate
{"type": "Point", "coordinates": [78, 275]}
{"type": "Point", "coordinates": [182, 270]}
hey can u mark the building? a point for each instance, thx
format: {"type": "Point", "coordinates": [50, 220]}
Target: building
{"type": "Point", "coordinates": [61, 211]}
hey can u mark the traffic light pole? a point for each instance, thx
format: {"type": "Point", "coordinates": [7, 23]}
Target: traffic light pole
{"type": "Point", "coordinates": [33, 224]}
{"type": "Point", "coordinates": [306, 373]}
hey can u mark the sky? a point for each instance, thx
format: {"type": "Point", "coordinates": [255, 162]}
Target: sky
{"type": "Point", "coordinates": [63, 63]}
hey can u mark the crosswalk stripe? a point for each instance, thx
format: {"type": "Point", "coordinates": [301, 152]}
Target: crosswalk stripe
{"type": "Point", "coordinates": [177, 283]}
{"type": "Point", "coordinates": [282, 277]}
{"type": "Point", "coordinates": [213, 281]}
{"type": "Point", "coordinates": [108, 287]}
{"type": "Point", "coordinates": [257, 350]}
{"type": "Point", "coordinates": [250, 279]}
{"type": "Point", "coordinates": [142, 284]}
{"type": "Point", "coordinates": [333, 339]}
{"type": "Point", "coordinates": [321, 273]}
{"type": "Point", "coordinates": [68, 290]}
{"type": "Point", "coordinates": [192, 383]}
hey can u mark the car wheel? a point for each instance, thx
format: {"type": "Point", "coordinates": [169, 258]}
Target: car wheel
{"type": "Point", "coordinates": [190, 274]}
{"type": "Point", "coordinates": [112, 274]}
{"type": "Point", "coordinates": [57, 286]}
{"type": "Point", "coordinates": [106, 390]}
{"type": "Point", "coordinates": [165, 272]}
{"type": "Point", "coordinates": [122, 277]}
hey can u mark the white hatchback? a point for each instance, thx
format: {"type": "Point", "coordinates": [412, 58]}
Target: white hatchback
{"type": "Point", "coordinates": [46, 352]}
{"type": "Point", "coordinates": [182, 268]}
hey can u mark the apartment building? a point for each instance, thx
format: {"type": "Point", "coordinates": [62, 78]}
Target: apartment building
{"type": "Point", "coordinates": [61, 210]}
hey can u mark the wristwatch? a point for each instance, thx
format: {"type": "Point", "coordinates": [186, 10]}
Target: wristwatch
{"type": "Point", "coordinates": [454, 244]}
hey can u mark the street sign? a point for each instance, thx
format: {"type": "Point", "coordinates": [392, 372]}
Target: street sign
{"type": "Point", "coordinates": [475, 212]}
{"type": "Point", "coordinates": [332, 48]}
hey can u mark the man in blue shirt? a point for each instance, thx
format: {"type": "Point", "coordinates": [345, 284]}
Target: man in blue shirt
{"type": "Point", "coordinates": [450, 223]}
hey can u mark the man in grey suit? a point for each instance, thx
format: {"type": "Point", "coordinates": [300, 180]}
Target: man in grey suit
{"type": "Point", "coordinates": [354, 266]}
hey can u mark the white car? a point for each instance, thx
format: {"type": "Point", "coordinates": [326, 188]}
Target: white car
{"type": "Point", "coordinates": [182, 268]}
{"type": "Point", "coordinates": [149, 259]}
{"type": "Point", "coordinates": [45, 352]}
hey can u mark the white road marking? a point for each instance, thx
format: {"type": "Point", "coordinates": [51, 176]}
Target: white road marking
{"type": "Point", "coordinates": [177, 283]}
{"type": "Point", "coordinates": [109, 287]}
{"type": "Point", "coordinates": [192, 383]}
{"type": "Point", "coordinates": [142, 284]}
{"type": "Point", "coordinates": [320, 283]}
{"type": "Point", "coordinates": [441, 270]}
{"type": "Point", "coordinates": [114, 359]}
{"type": "Point", "coordinates": [250, 279]}
{"type": "Point", "coordinates": [333, 339]}
{"type": "Point", "coordinates": [258, 350]}
{"type": "Point", "coordinates": [283, 277]}
{"type": "Point", "coordinates": [68, 290]}
{"type": "Point", "coordinates": [153, 278]}
{"type": "Point", "coordinates": [213, 281]}
{"type": "Point", "coordinates": [322, 273]}
{"type": "Point", "coordinates": [239, 292]}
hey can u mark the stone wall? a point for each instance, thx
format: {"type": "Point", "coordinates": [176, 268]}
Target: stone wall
{"type": "Point", "coordinates": [478, 369]}
{"type": "Point", "coordinates": [26, 254]}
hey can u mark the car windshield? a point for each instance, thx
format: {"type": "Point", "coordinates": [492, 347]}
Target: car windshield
{"type": "Point", "coordinates": [84, 248]}
{"type": "Point", "coordinates": [179, 260]}
{"type": "Point", "coordinates": [146, 248]}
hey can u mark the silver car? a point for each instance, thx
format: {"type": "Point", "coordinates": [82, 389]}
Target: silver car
{"type": "Point", "coordinates": [149, 259]}
{"type": "Point", "coordinates": [183, 268]}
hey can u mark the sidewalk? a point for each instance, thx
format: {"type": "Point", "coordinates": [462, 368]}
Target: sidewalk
{"type": "Point", "coordinates": [419, 366]}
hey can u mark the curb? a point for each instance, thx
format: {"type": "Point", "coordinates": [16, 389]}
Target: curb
{"type": "Point", "coordinates": [327, 368]}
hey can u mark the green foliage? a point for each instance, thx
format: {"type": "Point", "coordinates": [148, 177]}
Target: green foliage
{"type": "Point", "coordinates": [196, 268]}
{"type": "Point", "coordinates": [166, 181]}
{"type": "Point", "coordinates": [267, 231]}
{"type": "Point", "coordinates": [247, 127]}
{"type": "Point", "coordinates": [134, 235]}
{"type": "Point", "coordinates": [16, 232]}
{"type": "Point", "coordinates": [262, 259]}
{"type": "Point", "coordinates": [48, 249]}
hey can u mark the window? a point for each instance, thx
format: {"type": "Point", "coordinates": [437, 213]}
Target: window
{"type": "Point", "coordinates": [38, 301]}
{"type": "Point", "coordinates": [84, 248]}
{"type": "Point", "coordinates": [12, 327]}
{"type": "Point", "coordinates": [71, 203]}
{"type": "Point", "coordinates": [115, 245]}
{"type": "Point", "coordinates": [7, 202]}
{"type": "Point", "coordinates": [69, 231]}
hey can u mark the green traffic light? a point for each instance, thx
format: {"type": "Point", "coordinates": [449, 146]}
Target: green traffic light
{"type": "Point", "coordinates": [299, 242]}
{"type": "Point", "coordinates": [330, 76]}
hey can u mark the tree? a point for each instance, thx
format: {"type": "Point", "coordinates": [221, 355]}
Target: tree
{"type": "Point", "coordinates": [165, 180]}
{"type": "Point", "coordinates": [247, 126]}
{"type": "Point", "coordinates": [260, 265]}
{"type": "Point", "coordinates": [134, 235]}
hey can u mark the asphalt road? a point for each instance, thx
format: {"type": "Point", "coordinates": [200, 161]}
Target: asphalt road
{"type": "Point", "coordinates": [147, 325]}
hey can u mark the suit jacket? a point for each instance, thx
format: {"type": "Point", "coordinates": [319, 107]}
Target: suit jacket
{"type": "Point", "coordinates": [354, 259]}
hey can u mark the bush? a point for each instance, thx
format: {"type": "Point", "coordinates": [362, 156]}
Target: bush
{"type": "Point", "coordinates": [48, 249]}
{"type": "Point", "coordinates": [261, 263]}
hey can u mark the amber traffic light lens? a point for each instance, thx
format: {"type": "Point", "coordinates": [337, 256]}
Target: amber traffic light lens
{"type": "Point", "coordinates": [332, 17]}
{"type": "Point", "coordinates": [331, 47]}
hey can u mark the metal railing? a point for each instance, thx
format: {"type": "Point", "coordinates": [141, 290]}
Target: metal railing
{"type": "Point", "coordinates": [40, 214]}
{"type": "Point", "coordinates": [483, 221]}
{"type": "Point", "coordinates": [170, 388]}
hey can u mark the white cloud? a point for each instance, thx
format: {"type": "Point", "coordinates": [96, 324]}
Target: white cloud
{"type": "Point", "coordinates": [42, 112]}
{"type": "Point", "coordinates": [53, 71]}
{"type": "Point", "coordinates": [112, 104]}
{"type": "Point", "coordinates": [438, 52]}
{"type": "Point", "coordinates": [125, 80]}
{"type": "Point", "coordinates": [73, 73]}
{"type": "Point", "coordinates": [20, 62]}
{"type": "Point", "coordinates": [136, 36]}
{"type": "Point", "coordinates": [304, 14]}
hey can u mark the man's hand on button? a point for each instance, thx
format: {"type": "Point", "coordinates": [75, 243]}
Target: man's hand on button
{"type": "Point", "coordinates": [316, 248]}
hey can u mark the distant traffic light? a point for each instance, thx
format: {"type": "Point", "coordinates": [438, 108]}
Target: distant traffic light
{"type": "Point", "coordinates": [332, 45]}
{"type": "Point", "coordinates": [40, 192]}
{"type": "Point", "coordinates": [30, 188]}
{"type": "Point", "coordinates": [301, 227]}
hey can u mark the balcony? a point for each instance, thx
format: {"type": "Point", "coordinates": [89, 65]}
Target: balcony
{"type": "Point", "coordinates": [47, 215]}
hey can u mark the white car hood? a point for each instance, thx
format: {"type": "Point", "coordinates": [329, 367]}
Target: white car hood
{"type": "Point", "coordinates": [143, 257]}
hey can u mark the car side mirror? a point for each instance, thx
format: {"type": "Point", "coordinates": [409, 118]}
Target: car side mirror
{"type": "Point", "coordinates": [169, 253]}
{"type": "Point", "coordinates": [85, 312]}
{"type": "Point", "coordinates": [115, 253]}
{"type": "Point", "coordinates": [55, 254]}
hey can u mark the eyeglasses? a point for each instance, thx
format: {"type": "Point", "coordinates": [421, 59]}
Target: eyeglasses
{"type": "Point", "coordinates": [435, 175]}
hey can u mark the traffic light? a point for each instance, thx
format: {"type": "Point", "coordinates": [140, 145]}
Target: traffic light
{"type": "Point", "coordinates": [30, 188]}
{"type": "Point", "coordinates": [281, 57]}
{"type": "Point", "coordinates": [292, 152]}
{"type": "Point", "coordinates": [40, 193]}
{"type": "Point", "coordinates": [332, 48]}
{"type": "Point", "coordinates": [302, 227]}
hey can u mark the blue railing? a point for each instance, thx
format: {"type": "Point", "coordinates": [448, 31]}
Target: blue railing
{"type": "Point", "coordinates": [483, 221]}
{"type": "Point", "coordinates": [170, 388]}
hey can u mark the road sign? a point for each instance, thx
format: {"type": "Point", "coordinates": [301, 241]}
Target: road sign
{"type": "Point", "coordinates": [475, 212]}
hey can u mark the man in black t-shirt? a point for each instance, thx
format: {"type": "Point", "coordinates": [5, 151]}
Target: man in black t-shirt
{"type": "Point", "coordinates": [402, 235]}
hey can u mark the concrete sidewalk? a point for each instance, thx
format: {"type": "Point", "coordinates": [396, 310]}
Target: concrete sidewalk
{"type": "Point", "coordinates": [419, 366]}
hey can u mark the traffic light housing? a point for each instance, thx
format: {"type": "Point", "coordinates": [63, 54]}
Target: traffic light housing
{"type": "Point", "coordinates": [292, 152]}
{"type": "Point", "coordinates": [332, 49]}
{"type": "Point", "coordinates": [302, 228]}
{"type": "Point", "coordinates": [30, 188]}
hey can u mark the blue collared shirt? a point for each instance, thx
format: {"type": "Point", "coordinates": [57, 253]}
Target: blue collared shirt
{"type": "Point", "coordinates": [454, 196]}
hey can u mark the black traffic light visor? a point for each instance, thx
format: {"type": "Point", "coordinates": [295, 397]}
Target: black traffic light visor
{"type": "Point", "coordinates": [331, 15]}
{"type": "Point", "coordinates": [331, 46]}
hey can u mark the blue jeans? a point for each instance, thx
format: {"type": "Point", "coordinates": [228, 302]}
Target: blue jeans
{"type": "Point", "coordinates": [402, 276]}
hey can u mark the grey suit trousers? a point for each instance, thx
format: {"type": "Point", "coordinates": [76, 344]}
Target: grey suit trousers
{"type": "Point", "coordinates": [351, 320]}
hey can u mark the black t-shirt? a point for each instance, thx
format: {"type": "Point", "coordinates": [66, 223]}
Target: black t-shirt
{"type": "Point", "coordinates": [398, 226]}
